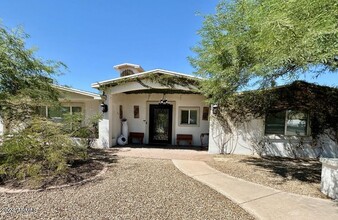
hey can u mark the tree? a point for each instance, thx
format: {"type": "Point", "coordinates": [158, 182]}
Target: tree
{"type": "Point", "coordinates": [33, 146]}
{"type": "Point", "coordinates": [25, 81]}
{"type": "Point", "coordinates": [260, 41]}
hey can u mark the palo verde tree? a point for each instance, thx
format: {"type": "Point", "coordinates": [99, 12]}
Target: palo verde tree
{"type": "Point", "coordinates": [261, 41]}
{"type": "Point", "coordinates": [258, 42]}
{"type": "Point", "coordinates": [25, 81]}
{"type": "Point", "coordinates": [35, 147]}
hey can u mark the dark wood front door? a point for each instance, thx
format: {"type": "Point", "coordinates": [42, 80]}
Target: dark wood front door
{"type": "Point", "coordinates": [160, 124]}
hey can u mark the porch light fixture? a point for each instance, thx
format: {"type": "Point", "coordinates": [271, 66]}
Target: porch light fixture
{"type": "Point", "coordinates": [104, 107]}
{"type": "Point", "coordinates": [214, 109]}
{"type": "Point", "coordinates": [163, 101]}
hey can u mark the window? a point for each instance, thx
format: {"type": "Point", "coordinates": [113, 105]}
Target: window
{"type": "Point", "coordinates": [127, 72]}
{"type": "Point", "coordinates": [287, 123]}
{"type": "Point", "coordinates": [189, 116]}
{"type": "Point", "coordinates": [296, 123]}
{"type": "Point", "coordinates": [57, 113]}
{"type": "Point", "coordinates": [275, 123]}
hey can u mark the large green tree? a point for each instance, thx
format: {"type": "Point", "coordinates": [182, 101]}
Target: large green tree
{"type": "Point", "coordinates": [36, 147]}
{"type": "Point", "coordinates": [261, 41]}
{"type": "Point", "coordinates": [25, 80]}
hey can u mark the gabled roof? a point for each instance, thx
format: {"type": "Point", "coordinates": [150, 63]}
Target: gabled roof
{"type": "Point", "coordinates": [77, 91]}
{"type": "Point", "coordinates": [144, 74]}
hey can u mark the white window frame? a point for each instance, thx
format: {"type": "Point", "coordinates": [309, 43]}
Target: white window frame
{"type": "Point", "coordinates": [189, 109]}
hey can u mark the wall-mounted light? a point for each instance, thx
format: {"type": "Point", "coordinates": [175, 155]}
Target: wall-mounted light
{"type": "Point", "coordinates": [104, 107]}
{"type": "Point", "coordinates": [214, 109]}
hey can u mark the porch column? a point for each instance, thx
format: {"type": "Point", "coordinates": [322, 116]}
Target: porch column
{"type": "Point", "coordinates": [105, 126]}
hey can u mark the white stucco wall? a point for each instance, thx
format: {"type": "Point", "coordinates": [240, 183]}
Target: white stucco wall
{"type": "Point", "coordinates": [110, 127]}
{"type": "Point", "coordinates": [248, 137]}
{"type": "Point", "coordinates": [1, 127]}
{"type": "Point", "coordinates": [329, 177]}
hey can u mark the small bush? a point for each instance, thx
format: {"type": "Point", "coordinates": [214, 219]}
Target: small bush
{"type": "Point", "coordinates": [42, 148]}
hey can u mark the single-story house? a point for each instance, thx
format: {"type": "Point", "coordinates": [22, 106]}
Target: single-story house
{"type": "Point", "coordinates": [160, 107]}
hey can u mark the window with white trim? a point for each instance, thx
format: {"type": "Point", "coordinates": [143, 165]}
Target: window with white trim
{"type": "Point", "coordinates": [288, 122]}
{"type": "Point", "coordinates": [189, 116]}
{"type": "Point", "coordinates": [57, 113]}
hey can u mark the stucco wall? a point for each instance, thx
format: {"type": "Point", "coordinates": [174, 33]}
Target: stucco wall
{"type": "Point", "coordinates": [248, 138]}
{"type": "Point", "coordinates": [141, 124]}
{"type": "Point", "coordinates": [1, 127]}
{"type": "Point", "coordinates": [329, 177]}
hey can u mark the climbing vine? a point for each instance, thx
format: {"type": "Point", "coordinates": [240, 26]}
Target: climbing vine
{"type": "Point", "coordinates": [169, 81]}
{"type": "Point", "coordinates": [320, 102]}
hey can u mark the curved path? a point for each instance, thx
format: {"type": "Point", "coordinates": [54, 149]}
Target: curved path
{"type": "Point", "coordinates": [260, 201]}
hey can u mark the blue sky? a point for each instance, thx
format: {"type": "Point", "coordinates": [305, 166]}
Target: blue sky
{"type": "Point", "coordinates": [91, 36]}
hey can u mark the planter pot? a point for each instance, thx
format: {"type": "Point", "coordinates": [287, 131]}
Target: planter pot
{"type": "Point", "coordinates": [122, 140]}
{"type": "Point", "coordinates": [125, 129]}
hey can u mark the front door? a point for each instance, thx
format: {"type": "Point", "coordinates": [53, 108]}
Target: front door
{"type": "Point", "coordinates": [160, 124]}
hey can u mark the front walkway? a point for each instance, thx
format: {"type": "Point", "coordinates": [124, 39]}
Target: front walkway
{"type": "Point", "coordinates": [260, 201]}
{"type": "Point", "coordinates": [160, 153]}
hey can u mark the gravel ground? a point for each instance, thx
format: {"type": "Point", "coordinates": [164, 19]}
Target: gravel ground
{"type": "Point", "coordinates": [132, 188]}
{"type": "Point", "coordinates": [290, 175]}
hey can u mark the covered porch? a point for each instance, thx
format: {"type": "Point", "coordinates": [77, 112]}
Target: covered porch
{"type": "Point", "coordinates": [156, 113]}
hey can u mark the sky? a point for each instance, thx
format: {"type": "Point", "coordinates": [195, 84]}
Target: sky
{"type": "Point", "coordinates": [91, 36]}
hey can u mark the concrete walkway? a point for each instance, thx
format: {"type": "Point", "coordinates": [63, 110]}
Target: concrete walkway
{"type": "Point", "coordinates": [260, 201]}
{"type": "Point", "coordinates": [164, 154]}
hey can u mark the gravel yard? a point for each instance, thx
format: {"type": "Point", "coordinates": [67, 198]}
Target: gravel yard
{"type": "Point", "coordinates": [290, 175]}
{"type": "Point", "coordinates": [132, 188]}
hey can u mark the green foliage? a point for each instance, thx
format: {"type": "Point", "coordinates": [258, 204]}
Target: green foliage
{"type": "Point", "coordinates": [163, 79]}
{"type": "Point", "coordinates": [41, 148]}
{"type": "Point", "coordinates": [76, 126]}
{"type": "Point", "coordinates": [25, 81]}
{"type": "Point", "coordinates": [260, 41]}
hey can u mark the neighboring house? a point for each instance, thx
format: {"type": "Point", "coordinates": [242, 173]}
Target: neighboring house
{"type": "Point", "coordinates": [159, 106]}
{"type": "Point", "coordinates": [285, 130]}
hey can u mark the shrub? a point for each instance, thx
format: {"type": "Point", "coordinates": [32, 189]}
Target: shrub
{"type": "Point", "coordinates": [41, 148]}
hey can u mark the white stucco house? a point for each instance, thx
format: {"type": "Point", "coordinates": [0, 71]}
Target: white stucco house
{"type": "Point", "coordinates": [163, 107]}
{"type": "Point", "coordinates": [160, 107]}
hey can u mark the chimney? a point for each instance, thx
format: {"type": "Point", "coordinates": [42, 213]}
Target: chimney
{"type": "Point", "coordinates": [126, 69]}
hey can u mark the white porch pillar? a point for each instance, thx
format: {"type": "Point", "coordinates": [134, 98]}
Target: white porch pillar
{"type": "Point", "coordinates": [105, 126]}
